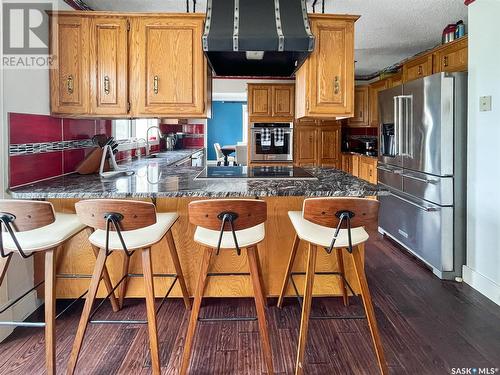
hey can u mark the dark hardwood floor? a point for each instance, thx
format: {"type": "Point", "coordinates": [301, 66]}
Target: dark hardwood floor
{"type": "Point", "coordinates": [428, 326]}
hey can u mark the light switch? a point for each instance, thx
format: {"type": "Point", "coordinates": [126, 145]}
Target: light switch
{"type": "Point", "coordinates": [485, 103]}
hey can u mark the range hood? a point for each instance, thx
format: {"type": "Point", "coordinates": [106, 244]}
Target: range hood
{"type": "Point", "coordinates": [257, 37]}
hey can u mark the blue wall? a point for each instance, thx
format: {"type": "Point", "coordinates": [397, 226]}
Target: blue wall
{"type": "Point", "coordinates": [225, 126]}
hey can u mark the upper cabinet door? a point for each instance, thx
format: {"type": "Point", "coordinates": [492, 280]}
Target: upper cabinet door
{"type": "Point", "coordinates": [69, 80]}
{"type": "Point", "coordinates": [373, 91]}
{"type": "Point", "coordinates": [283, 100]}
{"type": "Point", "coordinates": [168, 69]}
{"type": "Point", "coordinates": [453, 57]}
{"type": "Point", "coordinates": [260, 100]}
{"type": "Point", "coordinates": [361, 103]}
{"type": "Point", "coordinates": [108, 65]}
{"type": "Point", "coordinates": [325, 83]}
{"type": "Point", "coordinates": [418, 68]}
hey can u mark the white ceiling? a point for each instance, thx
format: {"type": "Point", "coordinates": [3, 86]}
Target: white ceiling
{"type": "Point", "coordinates": [387, 32]}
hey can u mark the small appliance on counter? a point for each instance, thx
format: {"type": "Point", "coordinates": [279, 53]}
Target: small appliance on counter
{"type": "Point", "coordinates": [179, 140]}
{"type": "Point", "coordinates": [170, 141]}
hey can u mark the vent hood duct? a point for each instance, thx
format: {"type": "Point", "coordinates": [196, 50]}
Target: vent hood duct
{"type": "Point", "coordinates": [257, 37]}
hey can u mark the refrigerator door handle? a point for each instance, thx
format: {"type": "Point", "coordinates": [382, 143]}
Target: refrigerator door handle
{"type": "Point", "coordinates": [397, 119]}
{"type": "Point", "coordinates": [423, 208]}
{"type": "Point", "coordinates": [395, 171]}
{"type": "Point", "coordinates": [408, 99]}
{"type": "Point", "coordinates": [420, 179]}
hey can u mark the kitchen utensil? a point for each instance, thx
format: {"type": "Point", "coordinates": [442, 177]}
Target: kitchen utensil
{"type": "Point", "coordinates": [99, 140]}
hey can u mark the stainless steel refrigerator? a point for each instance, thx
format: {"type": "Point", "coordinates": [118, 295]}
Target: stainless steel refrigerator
{"type": "Point", "coordinates": [422, 161]}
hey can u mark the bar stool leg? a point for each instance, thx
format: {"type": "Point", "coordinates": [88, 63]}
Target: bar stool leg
{"type": "Point", "coordinates": [262, 283]}
{"type": "Point", "coordinates": [89, 301]}
{"type": "Point", "coordinates": [107, 281]}
{"type": "Point", "coordinates": [195, 312]}
{"type": "Point", "coordinates": [4, 265]}
{"type": "Point", "coordinates": [50, 311]}
{"type": "Point", "coordinates": [370, 313]}
{"type": "Point", "coordinates": [122, 291]}
{"type": "Point", "coordinates": [259, 306]}
{"type": "Point", "coordinates": [343, 286]}
{"type": "Point", "coordinates": [289, 268]}
{"type": "Point", "coordinates": [151, 311]}
{"type": "Point", "coordinates": [178, 269]}
{"type": "Point", "coordinates": [306, 308]}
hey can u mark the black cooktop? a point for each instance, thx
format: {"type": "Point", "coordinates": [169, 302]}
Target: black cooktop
{"type": "Point", "coordinates": [272, 172]}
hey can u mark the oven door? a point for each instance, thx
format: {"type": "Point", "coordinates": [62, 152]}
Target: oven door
{"type": "Point", "coordinates": [282, 152]}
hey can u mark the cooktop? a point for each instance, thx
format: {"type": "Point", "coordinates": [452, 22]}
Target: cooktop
{"type": "Point", "coordinates": [284, 172]}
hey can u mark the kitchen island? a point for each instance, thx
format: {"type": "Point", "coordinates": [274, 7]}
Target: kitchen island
{"type": "Point", "coordinates": [171, 188]}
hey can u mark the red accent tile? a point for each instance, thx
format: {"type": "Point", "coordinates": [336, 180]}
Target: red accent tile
{"type": "Point", "coordinates": [193, 142]}
{"type": "Point", "coordinates": [103, 127]}
{"type": "Point", "coordinates": [28, 168]}
{"type": "Point", "coordinates": [71, 158]}
{"type": "Point", "coordinates": [78, 129]}
{"type": "Point", "coordinates": [26, 128]}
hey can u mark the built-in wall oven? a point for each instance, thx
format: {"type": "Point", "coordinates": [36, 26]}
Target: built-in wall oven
{"type": "Point", "coordinates": [271, 141]}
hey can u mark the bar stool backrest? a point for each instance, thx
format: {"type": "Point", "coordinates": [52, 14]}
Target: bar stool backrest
{"type": "Point", "coordinates": [29, 215]}
{"type": "Point", "coordinates": [207, 213]}
{"type": "Point", "coordinates": [136, 214]}
{"type": "Point", "coordinates": [325, 211]}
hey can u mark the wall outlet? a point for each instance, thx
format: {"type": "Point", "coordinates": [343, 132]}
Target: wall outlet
{"type": "Point", "coordinates": [485, 103]}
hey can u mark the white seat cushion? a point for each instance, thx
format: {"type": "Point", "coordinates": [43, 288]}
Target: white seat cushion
{"type": "Point", "coordinates": [246, 237]}
{"type": "Point", "coordinates": [322, 236]}
{"type": "Point", "coordinates": [138, 238]}
{"type": "Point", "coordinates": [47, 237]}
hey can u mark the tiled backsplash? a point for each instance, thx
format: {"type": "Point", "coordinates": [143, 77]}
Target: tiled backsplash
{"type": "Point", "coordinates": [195, 133]}
{"type": "Point", "coordinates": [43, 146]}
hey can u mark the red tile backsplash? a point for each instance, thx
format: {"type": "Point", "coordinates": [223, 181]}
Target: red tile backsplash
{"type": "Point", "coordinates": [26, 128]}
{"type": "Point", "coordinates": [78, 129]}
{"type": "Point", "coordinates": [28, 168]}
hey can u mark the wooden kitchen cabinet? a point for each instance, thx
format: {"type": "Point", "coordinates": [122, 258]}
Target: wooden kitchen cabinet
{"type": "Point", "coordinates": [109, 65]}
{"type": "Point", "coordinates": [306, 145]}
{"type": "Point", "coordinates": [317, 143]}
{"type": "Point", "coordinates": [367, 169]}
{"type": "Point", "coordinates": [395, 80]}
{"type": "Point", "coordinates": [329, 146]}
{"type": "Point", "coordinates": [418, 67]}
{"type": "Point", "coordinates": [361, 107]}
{"type": "Point", "coordinates": [373, 91]}
{"type": "Point", "coordinates": [325, 82]}
{"type": "Point", "coordinates": [167, 66]}
{"type": "Point", "coordinates": [452, 57]}
{"type": "Point", "coordinates": [270, 102]}
{"type": "Point", "coordinates": [69, 80]}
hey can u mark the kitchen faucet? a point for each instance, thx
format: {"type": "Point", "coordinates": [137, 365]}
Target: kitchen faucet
{"type": "Point", "coordinates": [138, 151]}
{"type": "Point", "coordinates": [160, 135]}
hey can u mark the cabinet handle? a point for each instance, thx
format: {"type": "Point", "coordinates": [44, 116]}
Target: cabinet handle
{"type": "Point", "coordinates": [69, 84]}
{"type": "Point", "coordinates": [445, 61]}
{"type": "Point", "coordinates": [307, 104]}
{"type": "Point", "coordinates": [360, 114]}
{"type": "Point", "coordinates": [420, 71]}
{"type": "Point", "coordinates": [155, 84]}
{"type": "Point", "coordinates": [336, 85]}
{"type": "Point", "coordinates": [106, 85]}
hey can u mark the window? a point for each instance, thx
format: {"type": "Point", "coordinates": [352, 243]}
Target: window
{"type": "Point", "coordinates": [126, 129]}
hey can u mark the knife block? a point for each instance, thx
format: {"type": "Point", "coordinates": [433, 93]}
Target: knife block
{"type": "Point", "coordinates": [91, 163]}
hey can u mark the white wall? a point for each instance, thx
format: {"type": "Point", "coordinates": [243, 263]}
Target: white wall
{"type": "Point", "coordinates": [482, 270]}
{"type": "Point", "coordinates": [236, 89]}
{"type": "Point", "coordinates": [22, 91]}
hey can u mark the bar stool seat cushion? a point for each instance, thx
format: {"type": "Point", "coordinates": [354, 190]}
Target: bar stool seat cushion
{"type": "Point", "coordinates": [47, 237]}
{"type": "Point", "coordinates": [246, 237]}
{"type": "Point", "coordinates": [322, 236]}
{"type": "Point", "coordinates": [137, 238]}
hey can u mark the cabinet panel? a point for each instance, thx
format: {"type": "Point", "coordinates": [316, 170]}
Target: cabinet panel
{"type": "Point", "coordinates": [373, 91]}
{"type": "Point", "coordinates": [417, 68]}
{"type": "Point", "coordinates": [70, 79]}
{"type": "Point", "coordinates": [260, 100]}
{"type": "Point", "coordinates": [108, 65]}
{"type": "Point", "coordinates": [395, 80]}
{"type": "Point", "coordinates": [452, 58]}
{"type": "Point", "coordinates": [329, 146]}
{"type": "Point", "coordinates": [283, 100]}
{"type": "Point", "coordinates": [368, 169]}
{"type": "Point", "coordinates": [306, 140]}
{"type": "Point", "coordinates": [361, 104]}
{"type": "Point", "coordinates": [168, 66]}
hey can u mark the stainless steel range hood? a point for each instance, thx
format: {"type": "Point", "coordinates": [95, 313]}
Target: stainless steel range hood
{"type": "Point", "coordinates": [257, 37]}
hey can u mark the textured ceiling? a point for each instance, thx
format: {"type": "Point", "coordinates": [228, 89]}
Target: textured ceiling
{"type": "Point", "coordinates": [387, 32]}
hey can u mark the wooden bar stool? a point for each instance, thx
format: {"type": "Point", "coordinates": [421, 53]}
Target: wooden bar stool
{"type": "Point", "coordinates": [229, 224]}
{"type": "Point", "coordinates": [127, 226]}
{"type": "Point", "coordinates": [334, 224]}
{"type": "Point", "coordinates": [30, 227]}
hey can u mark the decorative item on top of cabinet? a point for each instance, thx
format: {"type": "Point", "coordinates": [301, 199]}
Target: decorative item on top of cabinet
{"type": "Point", "coordinates": [325, 82]}
{"type": "Point", "coordinates": [167, 66]}
{"type": "Point", "coordinates": [271, 102]}
{"type": "Point", "coordinates": [373, 91]}
{"type": "Point", "coordinates": [418, 67]}
{"type": "Point", "coordinates": [109, 65]}
{"type": "Point", "coordinates": [361, 107]}
{"type": "Point", "coordinates": [69, 80]}
{"type": "Point", "coordinates": [452, 57]}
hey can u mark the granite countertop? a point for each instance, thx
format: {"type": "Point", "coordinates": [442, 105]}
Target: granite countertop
{"type": "Point", "coordinates": [156, 177]}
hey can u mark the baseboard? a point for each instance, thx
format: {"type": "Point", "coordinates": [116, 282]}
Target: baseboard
{"type": "Point", "coordinates": [482, 284]}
